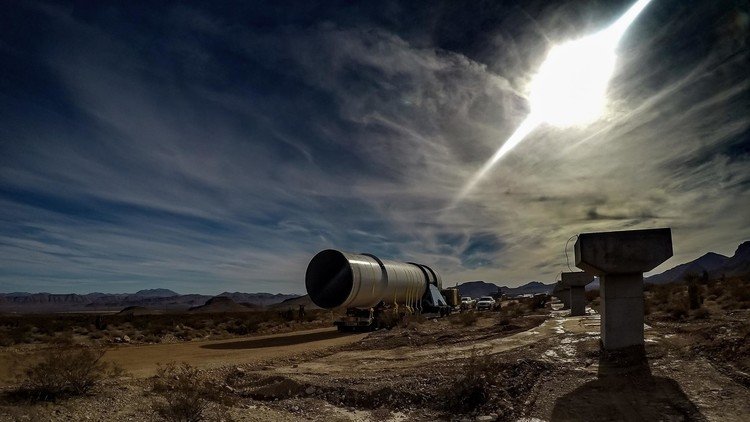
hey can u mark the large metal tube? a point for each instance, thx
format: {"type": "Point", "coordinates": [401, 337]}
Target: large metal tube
{"type": "Point", "coordinates": [336, 279]}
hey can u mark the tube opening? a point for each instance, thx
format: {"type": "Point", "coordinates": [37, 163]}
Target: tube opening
{"type": "Point", "coordinates": [329, 279]}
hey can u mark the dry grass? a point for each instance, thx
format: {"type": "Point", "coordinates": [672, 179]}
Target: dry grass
{"type": "Point", "coordinates": [467, 319]}
{"type": "Point", "coordinates": [697, 299]}
{"type": "Point", "coordinates": [489, 383]}
{"type": "Point", "coordinates": [65, 370]}
{"type": "Point", "coordinates": [185, 393]}
{"type": "Point", "coordinates": [38, 329]}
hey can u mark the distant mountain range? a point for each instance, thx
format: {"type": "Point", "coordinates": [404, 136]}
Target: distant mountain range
{"type": "Point", "coordinates": [160, 299]}
{"type": "Point", "coordinates": [714, 264]}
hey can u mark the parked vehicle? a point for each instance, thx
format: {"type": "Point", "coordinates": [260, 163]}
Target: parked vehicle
{"type": "Point", "coordinates": [485, 303]}
{"type": "Point", "coordinates": [467, 302]}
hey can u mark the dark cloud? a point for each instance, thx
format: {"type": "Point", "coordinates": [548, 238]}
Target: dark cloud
{"type": "Point", "coordinates": [212, 147]}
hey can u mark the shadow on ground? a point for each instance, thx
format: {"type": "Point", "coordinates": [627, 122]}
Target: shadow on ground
{"type": "Point", "coordinates": [289, 340]}
{"type": "Point", "coordinates": [625, 390]}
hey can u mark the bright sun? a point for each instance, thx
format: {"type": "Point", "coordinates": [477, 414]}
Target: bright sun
{"type": "Point", "coordinates": [570, 87]}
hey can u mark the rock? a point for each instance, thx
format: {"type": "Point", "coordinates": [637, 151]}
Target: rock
{"type": "Point", "coordinates": [125, 339]}
{"type": "Point", "coordinates": [485, 418]}
{"type": "Point", "coordinates": [310, 390]}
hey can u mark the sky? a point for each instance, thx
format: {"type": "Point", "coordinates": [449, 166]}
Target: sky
{"type": "Point", "coordinates": [215, 146]}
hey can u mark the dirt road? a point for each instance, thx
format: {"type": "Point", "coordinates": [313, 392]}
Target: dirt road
{"type": "Point", "coordinates": [142, 361]}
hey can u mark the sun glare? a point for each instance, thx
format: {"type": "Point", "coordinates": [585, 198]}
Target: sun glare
{"type": "Point", "coordinates": [570, 87]}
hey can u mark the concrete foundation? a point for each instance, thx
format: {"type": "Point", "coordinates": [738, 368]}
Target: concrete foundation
{"type": "Point", "coordinates": [577, 282]}
{"type": "Point", "coordinates": [620, 259]}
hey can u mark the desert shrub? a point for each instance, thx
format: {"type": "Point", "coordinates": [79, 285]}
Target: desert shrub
{"type": "Point", "coordinates": [474, 385]}
{"type": "Point", "coordinates": [661, 294]}
{"type": "Point", "coordinates": [18, 335]}
{"type": "Point", "coordinates": [65, 370]}
{"type": "Point", "coordinates": [151, 338]}
{"type": "Point", "coordinates": [96, 335]}
{"type": "Point", "coordinates": [739, 289]}
{"type": "Point", "coordinates": [701, 313]}
{"type": "Point", "coordinates": [535, 302]}
{"type": "Point", "coordinates": [715, 289]}
{"type": "Point", "coordinates": [412, 320]}
{"type": "Point", "coordinates": [185, 392]}
{"type": "Point", "coordinates": [389, 318]}
{"type": "Point", "coordinates": [512, 310]}
{"type": "Point", "coordinates": [678, 311]}
{"type": "Point", "coordinates": [488, 382]}
{"type": "Point", "coordinates": [694, 292]}
{"type": "Point", "coordinates": [467, 319]}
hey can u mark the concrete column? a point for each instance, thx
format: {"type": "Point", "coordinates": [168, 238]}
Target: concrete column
{"type": "Point", "coordinates": [565, 297]}
{"type": "Point", "coordinates": [562, 292]}
{"type": "Point", "coordinates": [620, 259]}
{"type": "Point", "coordinates": [576, 282]}
{"type": "Point", "coordinates": [622, 310]}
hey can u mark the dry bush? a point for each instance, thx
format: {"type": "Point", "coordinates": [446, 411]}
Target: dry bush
{"type": "Point", "coordinates": [512, 310]}
{"type": "Point", "coordinates": [701, 313]}
{"type": "Point", "coordinates": [186, 393]}
{"type": "Point", "coordinates": [535, 302]}
{"type": "Point", "coordinates": [486, 382]}
{"type": "Point", "coordinates": [738, 293]}
{"type": "Point", "coordinates": [467, 319]}
{"type": "Point", "coordinates": [389, 318]}
{"type": "Point", "coordinates": [473, 387]}
{"type": "Point", "coordinates": [695, 298]}
{"type": "Point", "coordinates": [678, 307]}
{"type": "Point", "coordinates": [412, 320]}
{"type": "Point", "coordinates": [65, 370]}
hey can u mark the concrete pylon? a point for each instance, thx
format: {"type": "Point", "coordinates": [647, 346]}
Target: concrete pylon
{"type": "Point", "coordinates": [562, 292]}
{"type": "Point", "coordinates": [577, 282]}
{"type": "Point", "coordinates": [620, 259]}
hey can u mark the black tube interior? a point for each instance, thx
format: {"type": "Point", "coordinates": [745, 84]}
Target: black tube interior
{"type": "Point", "coordinates": [329, 279]}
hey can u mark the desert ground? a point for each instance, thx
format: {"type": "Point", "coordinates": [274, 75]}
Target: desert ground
{"type": "Point", "coordinates": [515, 364]}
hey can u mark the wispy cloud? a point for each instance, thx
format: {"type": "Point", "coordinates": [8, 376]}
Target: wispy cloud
{"type": "Point", "coordinates": [181, 148]}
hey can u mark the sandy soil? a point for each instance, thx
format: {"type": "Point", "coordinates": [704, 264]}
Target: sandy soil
{"type": "Point", "coordinates": [142, 360]}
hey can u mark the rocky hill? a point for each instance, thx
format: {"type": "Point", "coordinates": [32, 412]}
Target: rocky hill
{"type": "Point", "coordinates": [737, 265]}
{"type": "Point", "coordinates": [222, 304]}
{"type": "Point", "coordinates": [294, 303]}
{"type": "Point", "coordinates": [708, 263]}
{"type": "Point", "coordinates": [715, 265]}
{"type": "Point", "coordinates": [533, 287]}
{"type": "Point", "coordinates": [476, 289]}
